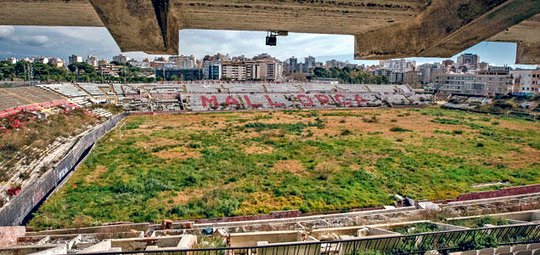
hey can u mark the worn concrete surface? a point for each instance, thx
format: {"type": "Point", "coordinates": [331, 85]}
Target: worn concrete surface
{"type": "Point", "coordinates": [383, 29]}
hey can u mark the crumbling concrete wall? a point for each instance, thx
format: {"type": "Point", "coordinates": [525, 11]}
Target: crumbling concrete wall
{"type": "Point", "coordinates": [251, 239]}
{"type": "Point", "coordinates": [20, 206]}
{"type": "Point", "coordinates": [134, 228]}
{"type": "Point", "coordinates": [512, 191]}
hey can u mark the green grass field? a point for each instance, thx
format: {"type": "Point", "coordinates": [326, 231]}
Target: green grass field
{"type": "Point", "coordinates": [224, 164]}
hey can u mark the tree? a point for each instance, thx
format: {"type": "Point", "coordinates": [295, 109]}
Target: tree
{"type": "Point", "coordinates": [348, 75]}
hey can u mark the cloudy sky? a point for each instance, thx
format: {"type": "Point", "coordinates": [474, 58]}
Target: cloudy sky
{"type": "Point", "coordinates": [23, 41]}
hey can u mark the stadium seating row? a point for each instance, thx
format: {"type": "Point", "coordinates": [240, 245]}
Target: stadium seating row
{"type": "Point", "coordinates": [229, 96]}
{"type": "Point", "coordinates": [221, 101]}
{"type": "Point", "coordinates": [35, 107]}
{"type": "Point", "coordinates": [21, 96]}
{"type": "Point", "coordinates": [83, 89]}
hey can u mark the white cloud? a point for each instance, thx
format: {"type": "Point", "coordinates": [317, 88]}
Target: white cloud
{"type": "Point", "coordinates": [204, 42]}
{"type": "Point", "coordinates": [6, 32]}
{"type": "Point", "coordinates": [90, 34]}
{"type": "Point", "coordinates": [35, 40]}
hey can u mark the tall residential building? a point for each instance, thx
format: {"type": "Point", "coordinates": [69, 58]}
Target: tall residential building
{"type": "Point", "coordinates": [526, 81]}
{"type": "Point", "coordinates": [211, 65]}
{"type": "Point", "coordinates": [120, 59]}
{"type": "Point", "coordinates": [184, 62]}
{"type": "Point", "coordinates": [265, 67]}
{"type": "Point", "coordinates": [293, 65]}
{"type": "Point", "coordinates": [309, 64]}
{"type": "Point", "coordinates": [91, 60]}
{"type": "Point", "coordinates": [427, 71]}
{"type": "Point", "coordinates": [399, 65]}
{"type": "Point", "coordinates": [234, 70]}
{"type": "Point", "coordinates": [262, 67]}
{"type": "Point", "coordinates": [274, 71]}
{"type": "Point", "coordinates": [468, 60]}
{"type": "Point", "coordinates": [74, 59]}
{"type": "Point", "coordinates": [212, 71]}
{"type": "Point", "coordinates": [484, 83]}
{"type": "Point", "coordinates": [336, 64]}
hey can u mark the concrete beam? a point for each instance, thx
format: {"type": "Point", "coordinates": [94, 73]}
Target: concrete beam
{"type": "Point", "coordinates": [444, 29]}
{"type": "Point", "coordinates": [48, 13]}
{"type": "Point", "coordinates": [486, 26]}
{"type": "Point", "coordinates": [527, 36]}
{"type": "Point", "coordinates": [528, 53]}
{"type": "Point", "coordinates": [139, 25]}
{"type": "Point", "coordinates": [382, 28]}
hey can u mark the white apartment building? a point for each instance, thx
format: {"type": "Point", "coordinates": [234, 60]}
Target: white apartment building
{"type": "Point", "coordinates": [526, 81]}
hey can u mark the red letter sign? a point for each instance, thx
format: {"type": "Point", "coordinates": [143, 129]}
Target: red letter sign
{"type": "Point", "coordinates": [272, 104]}
{"type": "Point", "coordinates": [231, 100]}
{"type": "Point", "coordinates": [250, 104]}
{"type": "Point", "coordinates": [307, 102]}
{"type": "Point", "coordinates": [323, 99]}
{"type": "Point", "coordinates": [341, 100]}
{"type": "Point", "coordinates": [360, 101]}
{"type": "Point", "coordinates": [212, 100]}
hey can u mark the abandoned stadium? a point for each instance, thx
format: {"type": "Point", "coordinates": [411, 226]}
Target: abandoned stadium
{"type": "Point", "coordinates": [507, 218]}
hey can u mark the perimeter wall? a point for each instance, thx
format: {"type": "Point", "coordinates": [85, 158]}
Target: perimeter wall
{"type": "Point", "coordinates": [20, 206]}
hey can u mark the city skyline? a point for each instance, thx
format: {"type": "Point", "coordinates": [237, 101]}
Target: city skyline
{"type": "Point", "coordinates": [31, 41]}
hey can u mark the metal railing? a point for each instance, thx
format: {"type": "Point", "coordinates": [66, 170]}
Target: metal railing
{"type": "Point", "coordinates": [443, 241]}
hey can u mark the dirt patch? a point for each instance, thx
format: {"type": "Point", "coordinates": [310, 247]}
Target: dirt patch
{"type": "Point", "coordinates": [183, 197]}
{"type": "Point", "coordinates": [177, 153]}
{"type": "Point", "coordinates": [155, 142]}
{"type": "Point", "coordinates": [515, 160]}
{"type": "Point", "coordinates": [291, 166]}
{"type": "Point", "coordinates": [94, 175]}
{"type": "Point", "coordinates": [518, 126]}
{"type": "Point", "coordinates": [258, 149]}
{"type": "Point", "coordinates": [365, 121]}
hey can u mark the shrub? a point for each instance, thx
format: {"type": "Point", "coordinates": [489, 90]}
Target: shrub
{"type": "Point", "coordinates": [400, 129]}
{"type": "Point", "coordinates": [372, 119]}
{"type": "Point", "coordinates": [346, 132]}
{"type": "Point", "coordinates": [232, 179]}
{"type": "Point", "coordinates": [445, 121]}
{"type": "Point", "coordinates": [304, 208]}
{"type": "Point", "coordinates": [178, 210]}
{"type": "Point", "coordinates": [228, 206]}
{"type": "Point", "coordinates": [193, 145]}
{"type": "Point", "coordinates": [326, 169]}
{"type": "Point", "coordinates": [416, 228]}
{"type": "Point", "coordinates": [133, 124]}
